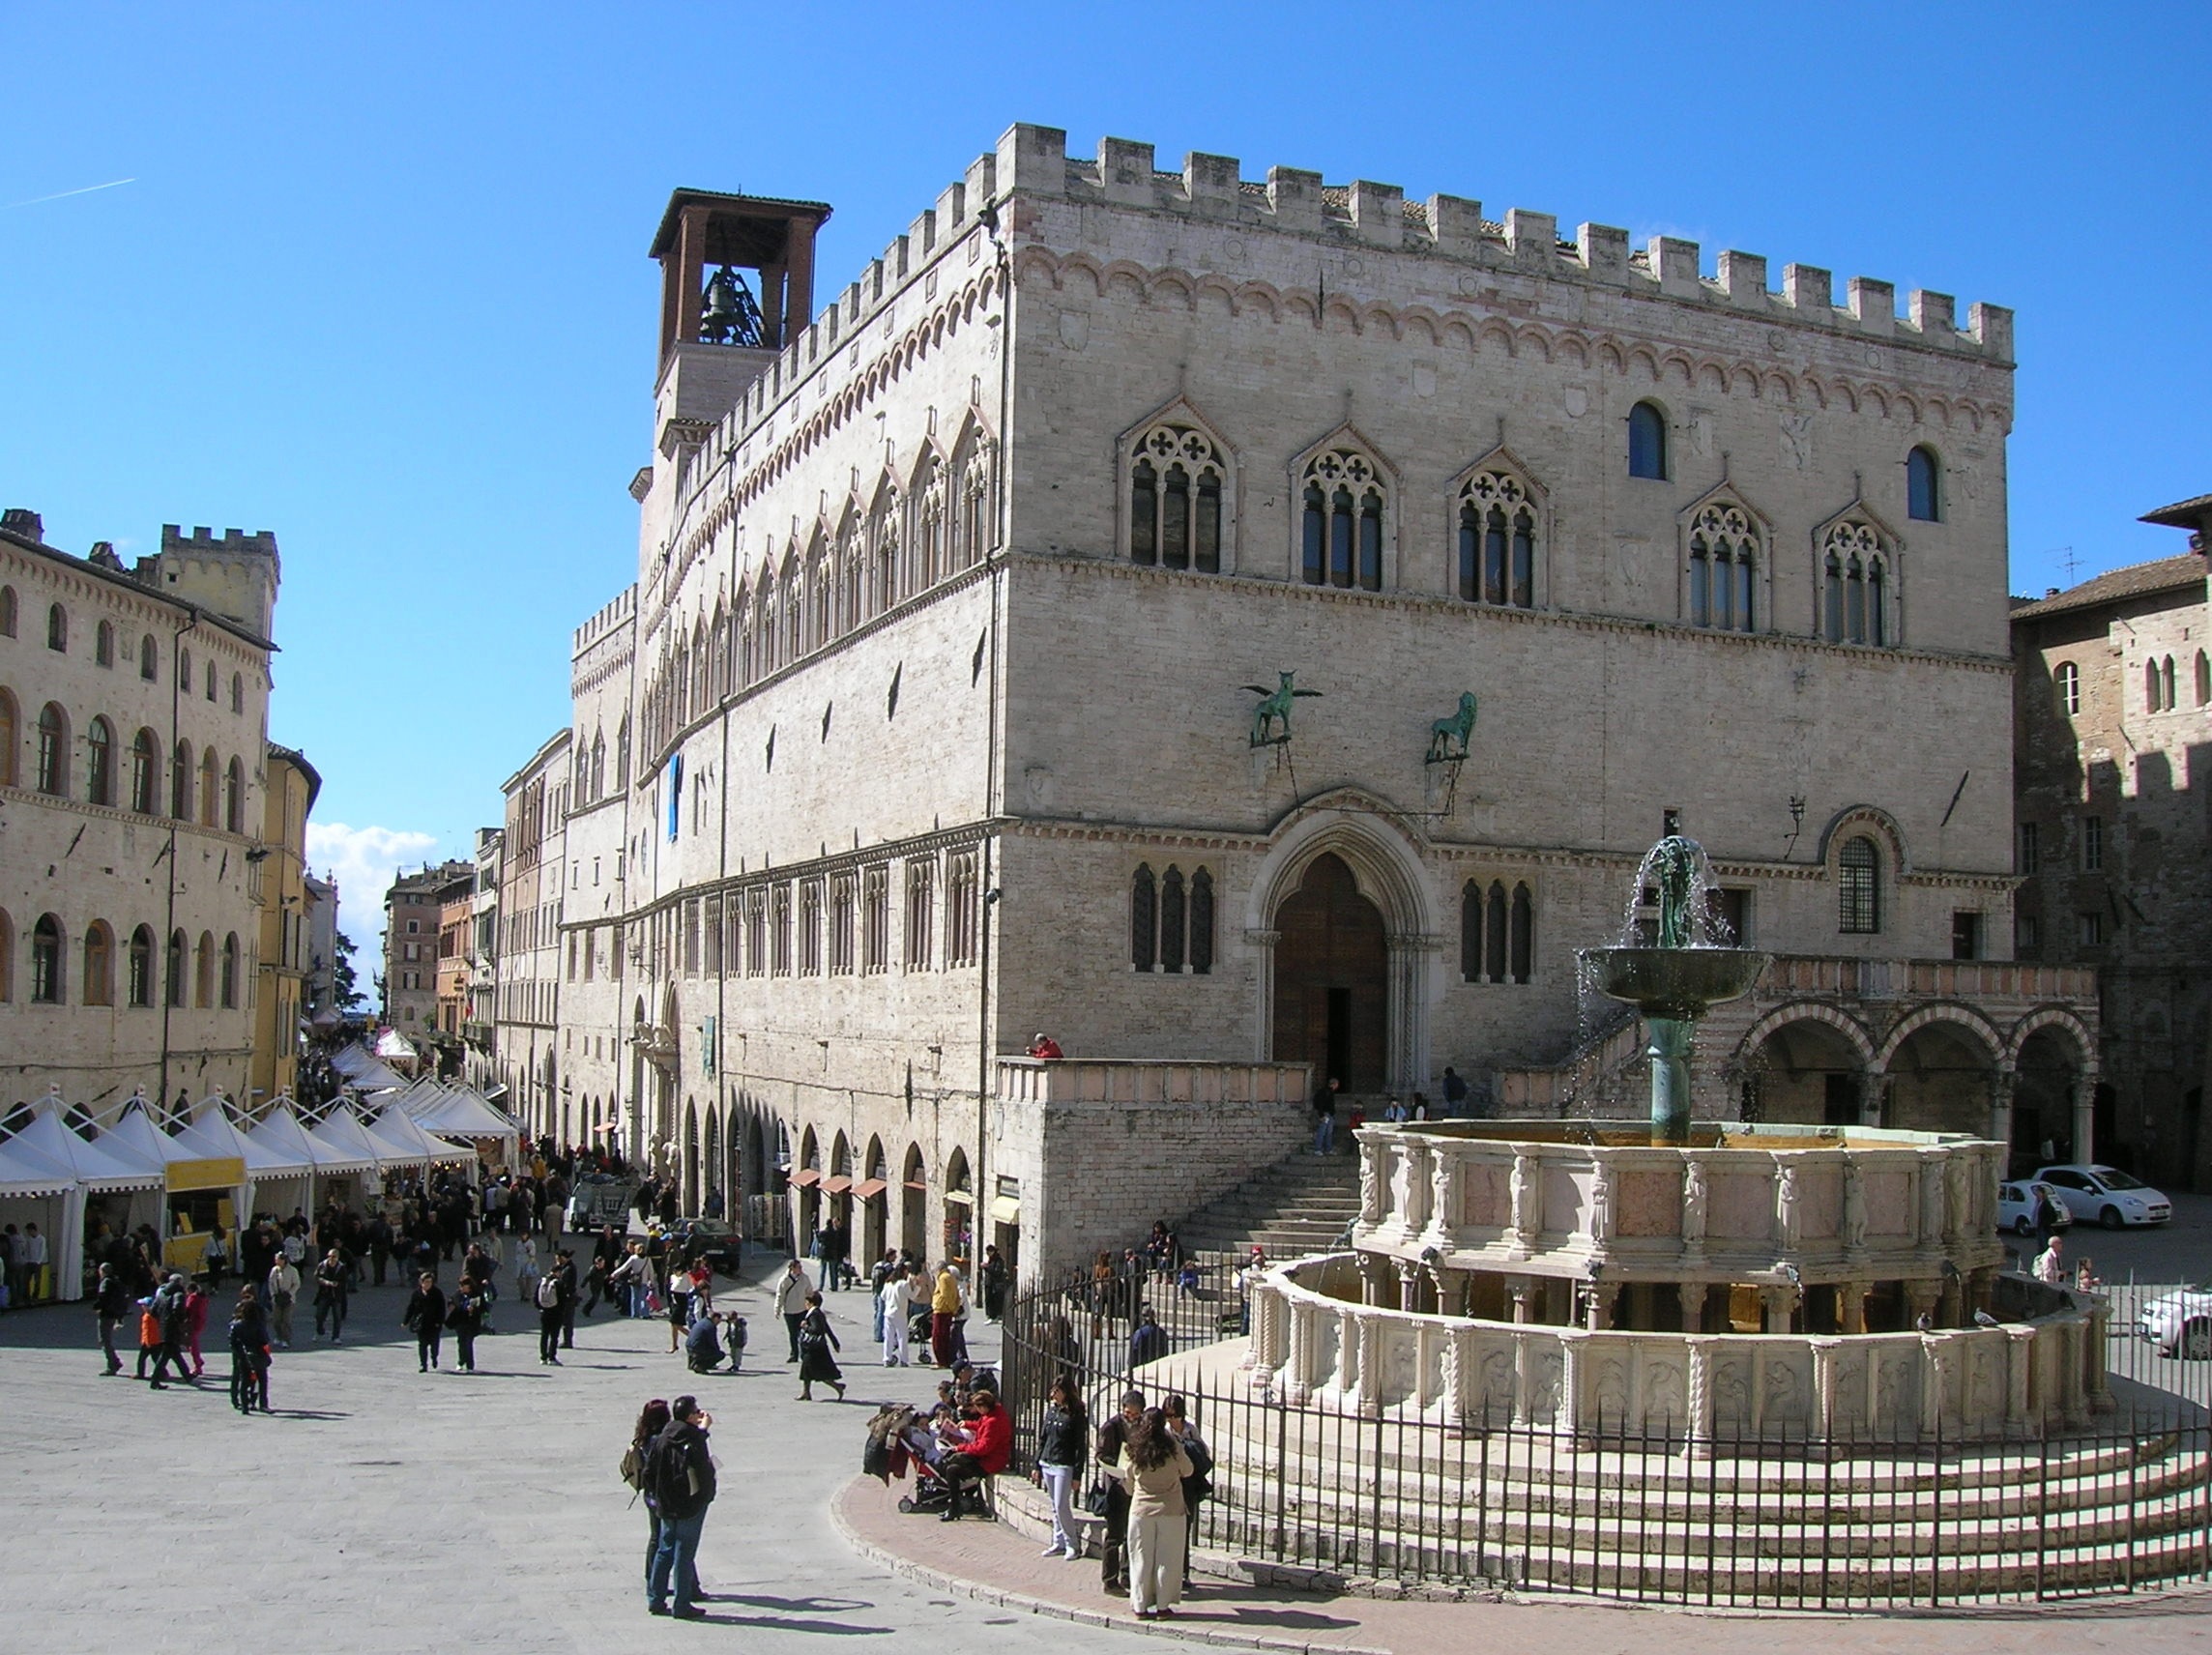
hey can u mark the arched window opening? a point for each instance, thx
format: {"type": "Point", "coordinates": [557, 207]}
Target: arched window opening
{"type": "Point", "coordinates": [2066, 687]}
{"type": "Point", "coordinates": [211, 674]}
{"type": "Point", "coordinates": [1470, 905]}
{"type": "Point", "coordinates": [181, 783]}
{"type": "Point", "coordinates": [1857, 564]}
{"type": "Point", "coordinates": [210, 772]}
{"type": "Point", "coordinates": [6, 612]}
{"type": "Point", "coordinates": [53, 749]}
{"type": "Point", "coordinates": [149, 659]}
{"type": "Point", "coordinates": [142, 966]}
{"type": "Point", "coordinates": [1724, 568]}
{"type": "Point", "coordinates": [1495, 957]}
{"type": "Point", "coordinates": [1201, 923]}
{"type": "Point", "coordinates": [1858, 888]}
{"type": "Point", "coordinates": [100, 763]}
{"type": "Point", "coordinates": [1177, 476]}
{"type": "Point", "coordinates": [230, 971]}
{"type": "Point", "coordinates": [1524, 945]}
{"type": "Point", "coordinates": [47, 961]}
{"type": "Point", "coordinates": [176, 968]}
{"type": "Point", "coordinates": [234, 798]}
{"type": "Point", "coordinates": [99, 965]}
{"type": "Point", "coordinates": [145, 773]}
{"type": "Point", "coordinates": [104, 645]}
{"type": "Point", "coordinates": [203, 972]}
{"type": "Point", "coordinates": [1171, 916]}
{"type": "Point", "coordinates": [1342, 531]}
{"type": "Point", "coordinates": [238, 692]}
{"type": "Point", "coordinates": [2203, 678]}
{"type": "Point", "coordinates": [57, 628]}
{"type": "Point", "coordinates": [7, 958]}
{"type": "Point", "coordinates": [1646, 441]}
{"type": "Point", "coordinates": [2151, 689]}
{"type": "Point", "coordinates": [1497, 540]}
{"type": "Point", "coordinates": [1144, 919]}
{"type": "Point", "coordinates": [184, 671]}
{"type": "Point", "coordinates": [9, 734]}
{"type": "Point", "coordinates": [1923, 484]}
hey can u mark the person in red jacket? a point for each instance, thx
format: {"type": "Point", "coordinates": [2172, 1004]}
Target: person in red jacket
{"type": "Point", "coordinates": [1045, 1046]}
{"type": "Point", "coordinates": [990, 1445]}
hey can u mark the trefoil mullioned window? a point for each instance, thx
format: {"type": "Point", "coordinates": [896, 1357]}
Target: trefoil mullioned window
{"type": "Point", "coordinates": [1497, 540]}
{"type": "Point", "coordinates": [1176, 479]}
{"type": "Point", "coordinates": [1171, 920]}
{"type": "Point", "coordinates": [1724, 568]}
{"type": "Point", "coordinates": [1340, 525]}
{"type": "Point", "coordinates": [1855, 585]}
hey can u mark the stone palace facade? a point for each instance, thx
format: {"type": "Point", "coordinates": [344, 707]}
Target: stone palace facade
{"type": "Point", "coordinates": [934, 717]}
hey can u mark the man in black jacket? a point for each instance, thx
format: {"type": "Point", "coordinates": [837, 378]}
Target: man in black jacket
{"type": "Point", "coordinates": [1114, 1550]}
{"type": "Point", "coordinates": [111, 1303]}
{"type": "Point", "coordinates": [681, 1472]}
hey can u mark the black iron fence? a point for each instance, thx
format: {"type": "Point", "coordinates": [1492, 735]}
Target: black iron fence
{"type": "Point", "coordinates": [1776, 1520]}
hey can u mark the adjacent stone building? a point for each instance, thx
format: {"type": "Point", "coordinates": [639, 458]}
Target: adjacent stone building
{"type": "Point", "coordinates": [528, 973]}
{"type": "Point", "coordinates": [1252, 630]}
{"type": "Point", "coordinates": [134, 815]}
{"type": "Point", "coordinates": [414, 910]}
{"type": "Point", "coordinates": [285, 954]}
{"type": "Point", "coordinates": [2112, 711]}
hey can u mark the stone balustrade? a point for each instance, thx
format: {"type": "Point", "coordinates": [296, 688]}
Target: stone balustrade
{"type": "Point", "coordinates": [1147, 1081]}
{"type": "Point", "coordinates": [1551, 1198]}
{"type": "Point", "coordinates": [2039, 1372]}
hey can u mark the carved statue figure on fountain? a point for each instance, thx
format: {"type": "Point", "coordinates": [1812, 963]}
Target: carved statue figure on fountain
{"type": "Point", "coordinates": [1855, 1207]}
{"type": "Point", "coordinates": [1524, 1216]}
{"type": "Point", "coordinates": [1789, 1216]}
{"type": "Point", "coordinates": [1696, 1191]}
{"type": "Point", "coordinates": [1371, 1153]}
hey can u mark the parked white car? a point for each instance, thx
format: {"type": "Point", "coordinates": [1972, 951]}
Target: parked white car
{"type": "Point", "coordinates": [2180, 1324]}
{"type": "Point", "coordinates": [2016, 1207]}
{"type": "Point", "coordinates": [2106, 1196]}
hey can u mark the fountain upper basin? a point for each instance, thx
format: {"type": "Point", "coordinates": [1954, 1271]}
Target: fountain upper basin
{"type": "Point", "coordinates": [1677, 984]}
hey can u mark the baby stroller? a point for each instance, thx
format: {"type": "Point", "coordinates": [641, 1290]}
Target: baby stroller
{"type": "Point", "coordinates": [936, 1493]}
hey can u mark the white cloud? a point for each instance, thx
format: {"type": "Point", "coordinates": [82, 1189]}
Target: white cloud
{"type": "Point", "coordinates": [364, 861]}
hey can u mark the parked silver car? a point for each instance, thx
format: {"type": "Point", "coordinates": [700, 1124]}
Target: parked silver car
{"type": "Point", "coordinates": [2016, 1202]}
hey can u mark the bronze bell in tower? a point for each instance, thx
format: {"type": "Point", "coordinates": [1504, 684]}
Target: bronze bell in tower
{"type": "Point", "coordinates": [723, 315]}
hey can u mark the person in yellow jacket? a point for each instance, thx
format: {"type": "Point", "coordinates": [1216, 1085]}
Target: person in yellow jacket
{"type": "Point", "coordinates": [944, 1313]}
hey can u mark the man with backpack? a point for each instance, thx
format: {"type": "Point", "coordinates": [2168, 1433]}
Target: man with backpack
{"type": "Point", "coordinates": [552, 1314]}
{"type": "Point", "coordinates": [681, 1472]}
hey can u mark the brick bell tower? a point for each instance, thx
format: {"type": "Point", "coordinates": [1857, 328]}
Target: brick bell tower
{"type": "Point", "coordinates": [735, 270]}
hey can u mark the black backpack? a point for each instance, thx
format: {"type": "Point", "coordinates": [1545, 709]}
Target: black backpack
{"type": "Point", "coordinates": [668, 1475]}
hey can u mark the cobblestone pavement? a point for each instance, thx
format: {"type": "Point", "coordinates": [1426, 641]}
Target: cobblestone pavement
{"type": "Point", "coordinates": [383, 1510]}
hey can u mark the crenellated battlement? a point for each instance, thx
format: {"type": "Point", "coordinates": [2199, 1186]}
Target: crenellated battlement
{"type": "Point", "coordinates": [616, 612]}
{"type": "Point", "coordinates": [1035, 161]}
{"type": "Point", "coordinates": [202, 541]}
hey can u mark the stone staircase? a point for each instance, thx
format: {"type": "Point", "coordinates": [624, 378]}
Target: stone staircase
{"type": "Point", "coordinates": [1301, 1205]}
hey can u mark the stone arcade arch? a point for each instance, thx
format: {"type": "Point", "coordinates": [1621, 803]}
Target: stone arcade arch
{"type": "Point", "coordinates": [1807, 1065]}
{"type": "Point", "coordinates": [1351, 954]}
{"type": "Point", "coordinates": [874, 1212]}
{"type": "Point", "coordinates": [807, 1217]}
{"type": "Point", "coordinates": [2051, 1056]}
{"type": "Point", "coordinates": [914, 1197]}
{"type": "Point", "coordinates": [690, 1161]}
{"type": "Point", "coordinates": [1942, 1071]}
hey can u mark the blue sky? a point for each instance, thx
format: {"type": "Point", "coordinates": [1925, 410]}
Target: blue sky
{"type": "Point", "coordinates": [379, 281]}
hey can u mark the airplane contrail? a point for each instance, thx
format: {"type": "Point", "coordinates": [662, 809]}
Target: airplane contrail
{"type": "Point", "coordinates": [63, 195]}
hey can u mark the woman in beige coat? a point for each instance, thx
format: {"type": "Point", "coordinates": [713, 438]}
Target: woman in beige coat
{"type": "Point", "coordinates": [1153, 1466]}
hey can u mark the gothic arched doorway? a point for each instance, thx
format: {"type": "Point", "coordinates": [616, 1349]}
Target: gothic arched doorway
{"type": "Point", "coordinates": [1332, 979]}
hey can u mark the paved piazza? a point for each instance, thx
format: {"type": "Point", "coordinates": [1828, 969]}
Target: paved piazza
{"type": "Point", "coordinates": [381, 1510]}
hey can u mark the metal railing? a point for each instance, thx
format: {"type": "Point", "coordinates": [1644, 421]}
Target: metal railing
{"type": "Point", "coordinates": [1790, 1520]}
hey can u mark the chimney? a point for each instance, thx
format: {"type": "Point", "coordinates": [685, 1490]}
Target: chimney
{"type": "Point", "coordinates": [21, 520]}
{"type": "Point", "coordinates": [2050, 591]}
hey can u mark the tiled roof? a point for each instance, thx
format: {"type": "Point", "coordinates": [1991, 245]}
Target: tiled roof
{"type": "Point", "coordinates": [2136, 580]}
{"type": "Point", "coordinates": [2182, 514]}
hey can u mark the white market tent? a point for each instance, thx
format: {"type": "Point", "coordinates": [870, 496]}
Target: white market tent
{"type": "Point", "coordinates": [212, 1134]}
{"type": "Point", "coordinates": [38, 1189]}
{"type": "Point", "coordinates": [399, 1133]}
{"type": "Point", "coordinates": [393, 1044]}
{"type": "Point", "coordinates": [459, 1112]}
{"type": "Point", "coordinates": [342, 1134]}
{"type": "Point", "coordinates": [365, 1070]}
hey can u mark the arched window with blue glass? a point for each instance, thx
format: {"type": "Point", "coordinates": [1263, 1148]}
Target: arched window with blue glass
{"type": "Point", "coordinates": [1923, 485]}
{"type": "Point", "coordinates": [1648, 441]}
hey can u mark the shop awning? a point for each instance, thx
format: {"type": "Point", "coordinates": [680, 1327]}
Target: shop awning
{"type": "Point", "coordinates": [805, 1175]}
{"type": "Point", "coordinates": [97, 1166]}
{"type": "Point", "coordinates": [836, 1183]}
{"type": "Point", "coordinates": [916, 1184]}
{"type": "Point", "coordinates": [868, 1189]}
{"type": "Point", "coordinates": [960, 1198]}
{"type": "Point", "coordinates": [1005, 1209]}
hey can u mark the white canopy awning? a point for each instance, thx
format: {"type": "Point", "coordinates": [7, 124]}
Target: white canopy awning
{"type": "Point", "coordinates": [342, 1134]}
{"type": "Point", "coordinates": [213, 1135]}
{"type": "Point", "coordinates": [281, 1132]}
{"type": "Point", "coordinates": [458, 1112]}
{"type": "Point", "coordinates": [106, 1166]}
{"type": "Point", "coordinates": [399, 1132]}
